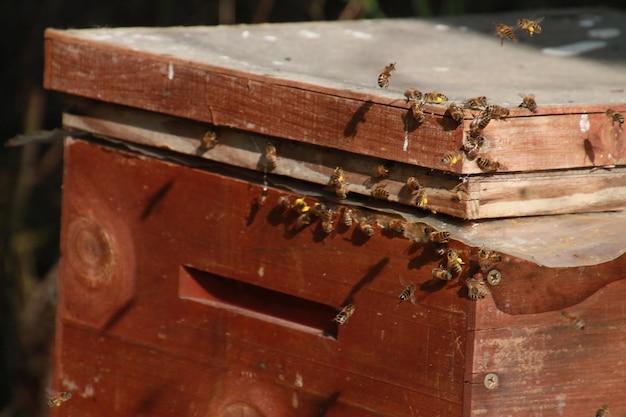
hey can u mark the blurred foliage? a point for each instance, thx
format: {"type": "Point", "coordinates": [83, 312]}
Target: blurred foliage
{"type": "Point", "coordinates": [30, 177]}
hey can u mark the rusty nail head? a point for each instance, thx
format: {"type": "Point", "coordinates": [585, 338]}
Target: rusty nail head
{"type": "Point", "coordinates": [491, 381]}
{"type": "Point", "coordinates": [494, 277]}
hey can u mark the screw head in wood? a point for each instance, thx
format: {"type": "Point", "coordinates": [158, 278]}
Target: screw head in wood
{"type": "Point", "coordinates": [491, 381]}
{"type": "Point", "coordinates": [494, 277]}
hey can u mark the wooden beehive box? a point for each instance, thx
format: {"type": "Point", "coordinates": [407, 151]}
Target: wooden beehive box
{"type": "Point", "coordinates": [187, 288]}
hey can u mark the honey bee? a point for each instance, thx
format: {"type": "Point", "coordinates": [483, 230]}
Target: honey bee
{"type": "Point", "coordinates": [603, 411]}
{"type": "Point", "coordinates": [327, 226]}
{"type": "Point", "coordinates": [383, 170]}
{"type": "Point", "coordinates": [406, 293]}
{"type": "Point", "coordinates": [476, 103]}
{"type": "Point", "coordinates": [346, 217]}
{"type": "Point", "coordinates": [530, 26]}
{"type": "Point", "coordinates": [337, 177]}
{"type": "Point", "coordinates": [380, 192]}
{"type": "Point", "coordinates": [496, 112]}
{"type": "Point", "coordinates": [270, 156]}
{"type": "Point", "coordinates": [488, 165]}
{"type": "Point", "coordinates": [487, 259]}
{"type": "Point", "coordinates": [438, 236]}
{"type": "Point", "coordinates": [56, 399]}
{"type": "Point", "coordinates": [421, 199]}
{"type": "Point", "coordinates": [456, 112]}
{"type": "Point", "coordinates": [576, 321]}
{"type": "Point", "coordinates": [478, 123]}
{"type": "Point", "coordinates": [435, 97]}
{"type": "Point", "coordinates": [318, 209]}
{"type": "Point", "coordinates": [342, 191]}
{"type": "Point", "coordinates": [283, 201]}
{"type": "Point", "coordinates": [442, 274]}
{"type": "Point", "coordinates": [615, 117]}
{"type": "Point", "coordinates": [300, 206]}
{"type": "Point", "coordinates": [472, 146]}
{"type": "Point", "coordinates": [528, 101]}
{"type": "Point", "coordinates": [413, 183]}
{"type": "Point", "coordinates": [396, 225]}
{"type": "Point", "coordinates": [208, 141]}
{"type": "Point", "coordinates": [413, 95]}
{"type": "Point", "coordinates": [476, 288]}
{"type": "Point", "coordinates": [454, 262]}
{"type": "Point", "coordinates": [417, 112]}
{"type": "Point", "coordinates": [367, 228]}
{"type": "Point", "coordinates": [342, 317]}
{"type": "Point", "coordinates": [327, 220]}
{"type": "Point", "coordinates": [302, 220]}
{"type": "Point", "coordinates": [505, 32]}
{"type": "Point", "coordinates": [383, 78]}
{"type": "Point", "coordinates": [451, 158]}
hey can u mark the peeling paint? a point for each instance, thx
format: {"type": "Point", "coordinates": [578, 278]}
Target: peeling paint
{"type": "Point", "coordinates": [170, 71]}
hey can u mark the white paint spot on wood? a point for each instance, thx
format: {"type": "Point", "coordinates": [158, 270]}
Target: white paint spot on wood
{"type": "Point", "coordinates": [441, 69]}
{"type": "Point", "coordinates": [358, 34]}
{"type": "Point", "coordinates": [299, 382]}
{"type": "Point", "coordinates": [309, 34]}
{"type": "Point", "coordinates": [560, 403]}
{"type": "Point", "coordinates": [88, 392]}
{"type": "Point", "coordinates": [224, 57]}
{"type": "Point", "coordinates": [245, 34]}
{"type": "Point", "coordinates": [441, 27]}
{"type": "Point", "coordinates": [294, 400]}
{"type": "Point", "coordinates": [170, 71]}
{"type": "Point", "coordinates": [69, 384]}
{"type": "Point", "coordinates": [584, 125]}
{"type": "Point", "coordinates": [279, 63]}
{"type": "Point", "coordinates": [270, 38]}
{"type": "Point", "coordinates": [574, 49]}
{"type": "Point", "coordinates": [261, 271]}
{"type": "Point", "coordinates": [604, 33]}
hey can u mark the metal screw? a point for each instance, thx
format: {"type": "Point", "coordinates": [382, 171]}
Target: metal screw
{"type": "Point", "coordinates": [494, 277]}
{"type": "Point", "coordinates": [491, 381]}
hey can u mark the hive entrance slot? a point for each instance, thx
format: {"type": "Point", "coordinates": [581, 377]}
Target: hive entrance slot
{"type": "Point", "coordinates": [258, 302]}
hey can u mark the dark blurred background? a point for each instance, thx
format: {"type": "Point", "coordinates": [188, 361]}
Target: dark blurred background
{"type": "Point", "coordinates": [30, 176]}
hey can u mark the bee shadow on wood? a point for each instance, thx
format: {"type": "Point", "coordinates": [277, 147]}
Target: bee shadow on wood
{"type": "Point", "coordinates": [155, 199]}
{"type": "Point", "coordinates": [326, 404]}
{"type": "Point", "coordinates": [447, 123]}
{"type": "Point", "coordinates": [255, 205]}
{"type": "Point", "coordinates": [359, 237]}
{"type": "Point", "coordinates": [369, 276]}
{"type": "Point", "coordinates": [351, 128]}
{"type": "Point", "coordinates": [410, 124]}
{"type": "Point", "coordinates": [406, 194]}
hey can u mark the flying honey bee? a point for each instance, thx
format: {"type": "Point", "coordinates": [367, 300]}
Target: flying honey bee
{"type": "Point", "coordinates": [454, 262]}
{"type": "Point", "coordinates": [489, 165]}
{"type": "Point", "coordinates": [396, 225]}
{"type": "Point", "coordinates": [496, 112]}
{"type": "Point", "coordinates": [472, 146]}
{"type": "Point", "coordinates": [383, 78]}
{"type": "Point", "coordinates": [435, 97]}
{"type": "Point", "coordinates": [528, 101]}
{"type": "Point", "coordinates": [442, 274]}
{"type": "Point", "coordinates": [300, 206]}
{"type": "Point", "coordinates": [380, 192]}
{"type": "Point", "coordinates": [347, 217]}
{"type": "Point", "coordinates": [342, 317]}
{"type": "Point", "coordinates": [56, 399]}
{"type": "Point", "coordinates": [476, 103]}
{"type": "Point", "coordinates": [530, 26]}
{"type": "Point", "coordinates": [302, 220]}
{"type": "Point", "coordinates": [413, 94]}
{"type": "Point", "coordinates": [478, 123]}
{"type": "Point", "coordinates": [487, 259]}
{"type": "Point", "coordinates": [571, 319]}
{"type": "Point", "coordinates": [505, 32]}
{"type": "Point", "coordinates": [208, 141]}
{"type": "Point", "coordinates": [417, 112]}
{"type": "Point", "coordinates": [451, 158]}
{"type": "Point", "coordinates": [270, 156]}
{"type": "Point", "coordinates": [406, 293]}
{"type": "Point", "coordinates": [438, 236]}
{"type": "Point", "coordinates": [421, 199]}
{"type": "Point", "coordinates": [476, 288]}
{"type": "Point", "coordinates": [383, 170]}
{"type": "Point", "coordinates": [456, 112]}
{"type": "Point", "coordinates": [615, 117]}
{"type": "Point", "coordinates": [413, 183]}
{"type": "Point", "coordinates": [366, 227]}
{"type": "Point", "coordinates": [337, 177]}
{"type": "Point", "coordinates": [603, 411]}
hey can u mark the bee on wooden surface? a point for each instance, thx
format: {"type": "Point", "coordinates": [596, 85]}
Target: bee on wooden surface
{"type": "Point", "coordinates": [442, 274]}
{"type": "Point", "coordinates": [451, 158]}
{"type": "Point", "coordinates": [318, 209]}
{"type": "Point", "coordinates": [342, 191]}
{"type": "Point", "coordinates": [472, 146]}
{"type": "Point", "coordinates": [574, 320]}
{"type": "Point", "coordinates": [327, 220]}
{"type": "Point", "coordinates": [476, 103]}
{"type": "Point", "coordinates": [366, 227]}
{"type": "Point", "coordinates": [454, 262]}
{"type": "Point", "coordinates": [505, 32]}
{"type": "Point", "coordinates": [417, 113]}
{"type": "Point", "coordinates": [406, 293]}
{"type": "Point", "coordinates": [438, 236]}
{"type": "Point", "coordinates": [302, 220]}
{"type": "Point", "coordinates": [283, 201]}
{"type": "Point", "coordinates": [435, 97]}
{"type": "Point", "coordinates": [528, 101]}
{"type": "Point", "coordinates": [396, 225]}
{"type": "Point", "coordinates": [493, 111]}
{"type": "Point", "coordinates": [413, 94]}
{"type": "Point", "coordinates": [208, 141]}
{"type": "Point", "coordinates": [489, 165]}
{"type": "Point", "coordinates": [337, 177]}
{"type": "Point", "coordinates": [327, 226]}
{"type": "Point", "coordinates": [530, 26]}
{"type": "Point", "coordinates": [413, 183]}
{"type": "Point", "coordinates": [487, 259]}
{"type": "Point", "coordinates": [270, 156]}
{"type": "Point", "coordinates": [615, 117]}
{"type": "Point", "coordinates": [476, 288]}
{"type": "Point", "coordinates": [478, 123]}
{"type": "Point", "coordinates": [383, 170]}
{"type": "Point", "coordinates": [347, 217]}
{"type": "Point", "coordinates": [380, 192]}
{"type": "Point", "coordinates": [456, 112]}
{"type": "Point", "coordinates": [342, 317]}
{"type": "Point", "coordinates": [300, 206]}
{"type": "Point", "coordinates": [383, 78]}
{"type": "Point", "coordinates": [603, 411]}
{"type": "Point", "coordinates": [56, 399]}
{"type": "Point", "coordinates": [421, 198]}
